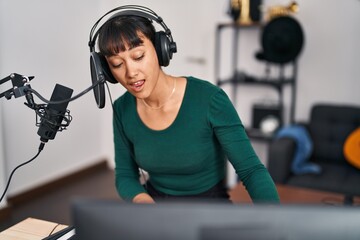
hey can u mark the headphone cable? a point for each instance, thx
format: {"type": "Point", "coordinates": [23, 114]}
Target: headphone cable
{"type": "Point", "coordinates": [119, 125]}
{"type": "Point", "coordinates": [41, 147]}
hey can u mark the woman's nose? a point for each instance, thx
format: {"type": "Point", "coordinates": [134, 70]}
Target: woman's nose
{"type": "Point", "coordinates": [131, 70]}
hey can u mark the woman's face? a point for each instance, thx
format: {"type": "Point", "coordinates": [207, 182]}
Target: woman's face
{"type": "Point", "coordinates": [137, 69]}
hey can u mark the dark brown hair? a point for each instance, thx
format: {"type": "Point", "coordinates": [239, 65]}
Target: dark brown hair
{"type": "Point", "coordinates": [123, 31]}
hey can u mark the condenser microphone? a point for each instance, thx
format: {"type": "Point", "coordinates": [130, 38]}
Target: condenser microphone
{"type": "Point", "coordinates": [51, 120]}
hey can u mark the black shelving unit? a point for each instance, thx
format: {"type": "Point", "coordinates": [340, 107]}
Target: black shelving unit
{"type": "Point", "coordinates": [238, 78]}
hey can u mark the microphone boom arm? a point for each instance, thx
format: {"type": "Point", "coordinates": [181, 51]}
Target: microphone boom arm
{"type": "Point", "coordinates": [20, 85]}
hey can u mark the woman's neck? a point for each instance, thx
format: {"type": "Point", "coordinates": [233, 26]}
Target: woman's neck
{"type": "Point", "coordinates": [162, 93]}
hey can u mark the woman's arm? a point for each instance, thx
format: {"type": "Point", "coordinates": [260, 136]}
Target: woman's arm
{"type": "Point", "coordinates": [126, 170]}
{"type": "Point", "coordinates": [233, 139]}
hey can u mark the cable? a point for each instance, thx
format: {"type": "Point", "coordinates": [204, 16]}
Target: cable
{"type": "Point", "coordinates": [65, 100]}
{"type": "Point", "coordinates": [120, 126]}
{"type": "Point", "coordinates": [57, 225]}
{"type": "Point", "coordinates": [41, 147]}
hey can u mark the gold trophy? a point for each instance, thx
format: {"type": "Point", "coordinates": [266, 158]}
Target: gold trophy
{"type": "Point", "coordinates": [279, 10]}
{"type": "Point", "coordinates": [243, 6]}
{"type": "Point", "coordinates": [245, 18]}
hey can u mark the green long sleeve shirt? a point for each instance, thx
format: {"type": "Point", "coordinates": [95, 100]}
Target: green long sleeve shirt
{"type": "Point", "coordinates": [188, 157]}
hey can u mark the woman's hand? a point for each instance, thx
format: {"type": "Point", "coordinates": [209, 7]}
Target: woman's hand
{"type": "Point", "coordinates": [143, 198]}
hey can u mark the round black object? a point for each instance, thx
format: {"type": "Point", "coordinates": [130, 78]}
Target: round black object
{"type": "Point", "coordinates": [282, 40]}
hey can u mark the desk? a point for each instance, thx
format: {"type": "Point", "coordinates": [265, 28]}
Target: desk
{"type": "Point", "coordinates": [31, 229]}
{"type": "Point", "coordinates": [35, 229]}
{"type": "Point", "coordinates": [293, 195]}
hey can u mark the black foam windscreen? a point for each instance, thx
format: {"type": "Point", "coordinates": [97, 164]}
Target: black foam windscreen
{"type": "Point", "coordinates": [98, 79]}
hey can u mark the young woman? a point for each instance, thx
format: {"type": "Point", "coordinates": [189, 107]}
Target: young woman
{"type": "Point", "coordinates": [180, 130]}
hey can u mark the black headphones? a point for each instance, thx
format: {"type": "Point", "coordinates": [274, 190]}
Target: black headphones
{"type": "Point", "coordinates": [100, 72]}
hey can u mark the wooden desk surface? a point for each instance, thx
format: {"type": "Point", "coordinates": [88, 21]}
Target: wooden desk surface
{"type": "Point", "coordinates": [31, 229]}
{"type": "Point", "coordinates": [293, 195]}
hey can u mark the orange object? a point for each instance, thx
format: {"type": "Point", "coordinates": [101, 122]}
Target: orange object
{"type": "Point", "coordinates": [352, 148]}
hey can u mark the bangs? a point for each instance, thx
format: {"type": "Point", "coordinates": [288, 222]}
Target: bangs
{"type": "Point", "coordinates": [123, 32]}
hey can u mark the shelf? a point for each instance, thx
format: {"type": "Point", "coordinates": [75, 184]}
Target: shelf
{"type": "Point", "coordinates": [237, 25]}
{"type": "Point", "coordinates": [257, 134]}
{"type": "Point", "coordinates": [239, 79]}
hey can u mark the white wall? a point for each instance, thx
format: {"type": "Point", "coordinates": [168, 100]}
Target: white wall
{"type": "Point", "coordinates": [330, 64]}
{"type": "Point", "coordinates": [48, 39]}
{"type": "Point", "coordinates": [2, 162]}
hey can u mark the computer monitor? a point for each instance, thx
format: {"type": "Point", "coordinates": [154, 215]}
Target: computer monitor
{"type": "Point", "coordinates": [105, 219]}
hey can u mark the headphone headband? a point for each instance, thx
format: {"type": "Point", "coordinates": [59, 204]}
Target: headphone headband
{"type": "Point", "coordinates": [128, 10]}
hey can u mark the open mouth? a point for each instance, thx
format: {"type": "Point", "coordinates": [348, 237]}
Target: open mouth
{"type": "Point", "coordinates": [138, 85]}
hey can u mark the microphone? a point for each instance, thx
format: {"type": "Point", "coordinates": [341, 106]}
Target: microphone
{"type": "Point", "coordinates": [54, 114]}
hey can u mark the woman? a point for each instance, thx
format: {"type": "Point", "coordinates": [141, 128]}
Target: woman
{"type": "Point", "coordinates": [180, 130]}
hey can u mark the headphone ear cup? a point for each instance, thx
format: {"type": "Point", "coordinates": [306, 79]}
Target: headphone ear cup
{"type": "Point", "coordinates": [162, 47]}
{"type": "Point", "coordinates": [106, 70]}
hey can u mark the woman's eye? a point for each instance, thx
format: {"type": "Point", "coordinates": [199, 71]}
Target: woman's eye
{"type": "Point", "coordinates": [117, 65]}
{"type": "Point", "coordinates": [140, 57]}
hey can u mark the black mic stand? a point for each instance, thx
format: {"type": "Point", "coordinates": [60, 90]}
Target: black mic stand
{"type": "Point", "coordinates": [51, 117]}
{"type": "Point", "coordinates": [21, 87]}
